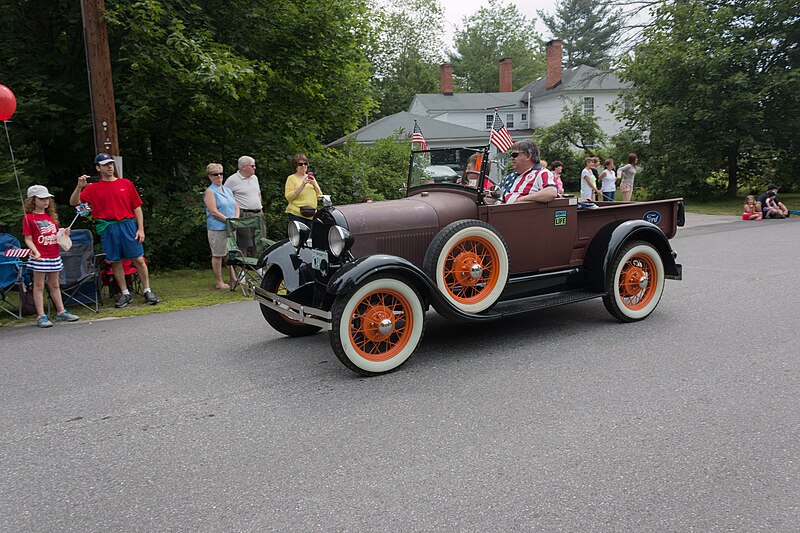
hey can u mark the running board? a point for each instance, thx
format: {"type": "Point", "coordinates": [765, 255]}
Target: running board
{"type": "Point", "coordinates": [532, 303]}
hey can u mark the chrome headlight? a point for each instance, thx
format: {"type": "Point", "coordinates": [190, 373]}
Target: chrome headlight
{"type": "Point", "coordinates": [339, 240]}
{"type": "Point", "coordinates": [298, 233]}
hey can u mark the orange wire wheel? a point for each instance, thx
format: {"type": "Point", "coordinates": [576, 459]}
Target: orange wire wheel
{"type": "Point", "coordinates": [635, 282]}
{"type": "Point", "coordinates": [377, 327]}
{"type": "Point", "coordinates": [471, 270]}
{"type": "Point", "coordinates": [469, 262]}
{"type": "Point", "coordinates": [380, 325]}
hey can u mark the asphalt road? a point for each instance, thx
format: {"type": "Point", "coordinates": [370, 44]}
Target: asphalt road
{"type": "Point", "coordinates": [560, 420]}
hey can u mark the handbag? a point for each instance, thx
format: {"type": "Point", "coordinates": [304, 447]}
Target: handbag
{"type": "Point", "coordinates": [307, 211]}
{"type": "Point", "coordinates": [26, 304]}
{"type": "Point", "coordinates": [63, 240]}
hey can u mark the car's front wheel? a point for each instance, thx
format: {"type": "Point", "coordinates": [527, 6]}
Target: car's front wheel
{"type": "Point", "coordinates": [635, 282]}
{"type": "Point", "coordinates": [469, 262]}
{"type": "Point", "coordinates": [273, 282]}
{"type": "Point", "coordinates": [377, 326]}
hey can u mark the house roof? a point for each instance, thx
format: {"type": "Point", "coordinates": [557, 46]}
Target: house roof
{"type": "Point", "coordinates": [580, 78]}
{"type": "Point", "coordinates": [467, 101]}
{"type": "Point", "coordinates": [433, 130]}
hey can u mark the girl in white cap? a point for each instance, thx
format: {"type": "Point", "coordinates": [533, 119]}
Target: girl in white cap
{"type": "Point", "coordinates": [40, 229]}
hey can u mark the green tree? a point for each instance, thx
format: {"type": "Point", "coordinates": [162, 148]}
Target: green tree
{"type": "Point", "coordinates": [194, 83]}
{"type": "Point", "coordinates": [407, 52]}
{"type": "Point", "coordinates": [492, 33]}
{"type": "Point", "coordinates": [356, 172]}
{"type": "Point", "coordinates": [714, 85]}
{"type": "Point", "coordinates": [588, 30]}
{"type": "Point", "coordinates": [574, 137]}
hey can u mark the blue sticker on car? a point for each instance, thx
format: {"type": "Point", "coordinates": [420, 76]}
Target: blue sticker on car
{"type": "Point", "coordinates": [654, 217]}
{"type": "Point", "coordinates": [561, 218]}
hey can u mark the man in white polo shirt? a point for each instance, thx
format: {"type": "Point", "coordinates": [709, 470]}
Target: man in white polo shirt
{"type": "Point", "coordinates": [247, 193]}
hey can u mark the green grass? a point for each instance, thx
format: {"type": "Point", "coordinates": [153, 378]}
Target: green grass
{"type": "Point", "coordinates": [178, 289]}
{"type": "Point", "coordinates": [733, 206]}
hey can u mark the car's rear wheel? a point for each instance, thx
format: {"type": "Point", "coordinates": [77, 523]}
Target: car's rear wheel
{"type": "Point", "coordinates": [468, 260]}
{"type": "Point", "coordinates": [377, 326]}
{"type": "Point", "coordinates": [635, 282]}
{"type": "Point", "coordinates": [273, 282]}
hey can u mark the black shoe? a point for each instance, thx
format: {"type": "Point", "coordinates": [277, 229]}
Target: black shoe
{"type": "Point", "coordinates": [151, 298]}
{"type": "Point", "coordinates": [124, 300]}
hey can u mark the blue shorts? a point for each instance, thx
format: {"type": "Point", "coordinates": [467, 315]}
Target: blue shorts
{"type": "Point", "coordinates": [119, 241]}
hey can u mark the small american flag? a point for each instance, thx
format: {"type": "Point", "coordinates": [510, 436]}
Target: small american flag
{"type": "Point", "coordinates": [17, 252]}
{"type": "Point", "coordinates": [416, 137]}
{"type": "Point", "coordinates": [500, 136]}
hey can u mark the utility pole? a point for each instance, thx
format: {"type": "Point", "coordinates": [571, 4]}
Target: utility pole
{"type": "Point", "coordinates": [101, 83]}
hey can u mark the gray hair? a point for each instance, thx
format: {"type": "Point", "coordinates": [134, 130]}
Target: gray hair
{"type": "Point", "coordinates": [244, 161]}
{"type": "Point", "coordinates": [527, 147]}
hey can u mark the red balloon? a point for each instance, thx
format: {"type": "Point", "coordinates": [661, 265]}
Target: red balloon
{"type": "Point", "coordinates": [8, 103]}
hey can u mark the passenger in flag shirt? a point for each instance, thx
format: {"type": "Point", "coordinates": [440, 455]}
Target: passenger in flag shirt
{"type": "Point", "coordinates": [532, 182]}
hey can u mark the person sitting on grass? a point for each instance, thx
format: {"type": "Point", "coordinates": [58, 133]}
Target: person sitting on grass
{"type": "Point", "coordinates": [749, 212]}
{"type": "Point", "coordinates": [779, 210]}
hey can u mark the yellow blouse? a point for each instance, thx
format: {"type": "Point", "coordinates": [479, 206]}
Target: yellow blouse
{"type": "Point", "coordinates": [308, 196]}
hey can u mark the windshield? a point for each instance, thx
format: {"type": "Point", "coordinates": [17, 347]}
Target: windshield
{"type": "Point", "coordinates": [454, 166]}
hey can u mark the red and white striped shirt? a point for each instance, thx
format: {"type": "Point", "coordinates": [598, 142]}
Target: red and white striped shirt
{"type": "Point", "coordinates": [529, 182]}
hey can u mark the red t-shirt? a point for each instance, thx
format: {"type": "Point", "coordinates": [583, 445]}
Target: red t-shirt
{"type": "Point", "coordinates": [112, 200]}
{"type": "Point", "coordinates": [44, 231]}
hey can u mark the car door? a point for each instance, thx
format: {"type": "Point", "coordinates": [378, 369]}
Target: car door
{"type": "Point", "coordinates": [540, 237]}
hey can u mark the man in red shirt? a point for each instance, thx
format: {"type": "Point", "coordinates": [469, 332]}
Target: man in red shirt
{"type": "Point", "coordinates": [117, 210]}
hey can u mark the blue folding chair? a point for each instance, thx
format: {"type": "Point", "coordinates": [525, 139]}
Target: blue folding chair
{"type": "Point", "coordinates": [14, 279]}
{"type": "Point", "coordinates": [80, 279]}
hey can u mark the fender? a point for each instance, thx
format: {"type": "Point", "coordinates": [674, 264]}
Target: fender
{"type": "Point", "coordinates": [351, 275]}
{"type": "Point", "coordinates": [607, 242]}
{"type": "Point", "coordinates": [295, 264]}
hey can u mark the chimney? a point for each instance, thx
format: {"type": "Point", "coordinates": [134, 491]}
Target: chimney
{"type": "Point", "coordinates": [505, 75]}
{"type": "Point", "coordinates": [446, 79]}
{"type": "Point", "coordinates": [553, 73]}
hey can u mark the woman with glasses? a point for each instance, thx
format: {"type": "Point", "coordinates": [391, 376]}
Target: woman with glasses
{"type": "Point", "coordinates": [301, 191]}
{"type": "Point", "coordinates": [220, 205]}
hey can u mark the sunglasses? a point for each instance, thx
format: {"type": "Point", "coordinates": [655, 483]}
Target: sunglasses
{"type": "Point", "coordinates": [514, 154]}
{"type": "Point", "coordinates": [305, 164]}
{"type": "Point", "coordinates": [216, 174]}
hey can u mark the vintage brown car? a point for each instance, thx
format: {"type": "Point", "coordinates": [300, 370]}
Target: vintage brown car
{"type": "Point", "coordinates": [368, 272]}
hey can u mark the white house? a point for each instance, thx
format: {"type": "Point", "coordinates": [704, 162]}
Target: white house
{"type": "Point", "coordinates": [536, 105]}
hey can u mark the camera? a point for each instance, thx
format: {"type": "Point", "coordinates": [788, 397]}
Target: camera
{"type": "Point", "coordinates": [92, 179]}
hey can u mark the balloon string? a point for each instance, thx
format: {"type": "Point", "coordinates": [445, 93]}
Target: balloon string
{"type": "Point", "coordinates": [14, 164]}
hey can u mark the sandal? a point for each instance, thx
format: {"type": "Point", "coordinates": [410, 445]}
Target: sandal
{"type": "Point", "coordinates": [223, 286]}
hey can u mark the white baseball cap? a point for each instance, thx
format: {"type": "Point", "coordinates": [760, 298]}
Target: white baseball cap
{"type": "Point", "coordinates": [39, 191]}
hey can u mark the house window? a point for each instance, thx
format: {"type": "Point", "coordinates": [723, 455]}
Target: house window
{"type": "Point", "coordinates": [627, 105]}
{"type": "Point", "coordinates": [510, 121]}
{"type": "Point", "coordinates": [524, 117]}
{"type": "Point", "coordinates": [489, 121]}
{"type": "Point", "coordinates": [588, 104]}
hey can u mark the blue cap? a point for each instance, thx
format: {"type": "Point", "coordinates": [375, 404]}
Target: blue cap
{"type": "Point", "coordinates": [102, 159]}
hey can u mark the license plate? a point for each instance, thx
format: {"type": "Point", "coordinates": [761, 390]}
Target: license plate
{"type": "Point", "coordinates": [317, 257]}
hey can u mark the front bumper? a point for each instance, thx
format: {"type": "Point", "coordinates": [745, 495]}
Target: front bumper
{"type": "Point", "coordinates": [293, 310]}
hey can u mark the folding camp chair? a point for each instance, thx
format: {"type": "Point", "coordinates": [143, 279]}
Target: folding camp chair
{"type": "Point", "coordinates": [246, 274]}
{"type": "Point", "coordinates": [132, 279]}
{"type": "Point", "coordinates": [80, 279]}
{"type": "Point", "coordinates": [14, 279]}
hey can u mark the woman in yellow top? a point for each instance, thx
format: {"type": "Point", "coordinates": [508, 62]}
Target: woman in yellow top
{"type": "Point", "coordinates": [301, 191]}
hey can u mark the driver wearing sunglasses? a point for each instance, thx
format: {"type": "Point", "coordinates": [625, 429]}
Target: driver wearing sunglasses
{"type": "Point", "coordinates": [529, 182]}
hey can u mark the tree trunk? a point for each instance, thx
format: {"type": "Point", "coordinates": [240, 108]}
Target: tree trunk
{"type": "Point", "coordinates": [733, 170]}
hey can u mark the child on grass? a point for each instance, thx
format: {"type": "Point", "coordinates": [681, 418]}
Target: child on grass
{"type": "Point", "coordinates": [750, 212]}
{"type": "Point", "coordinates": [40, 229]}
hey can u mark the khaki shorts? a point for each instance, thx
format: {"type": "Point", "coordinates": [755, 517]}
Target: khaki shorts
{"type": "Point", "coordinates": [217, 241]}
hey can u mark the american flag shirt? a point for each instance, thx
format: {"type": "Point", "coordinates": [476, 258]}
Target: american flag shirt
{"type": "Point", "coordinates": [532, 180]}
